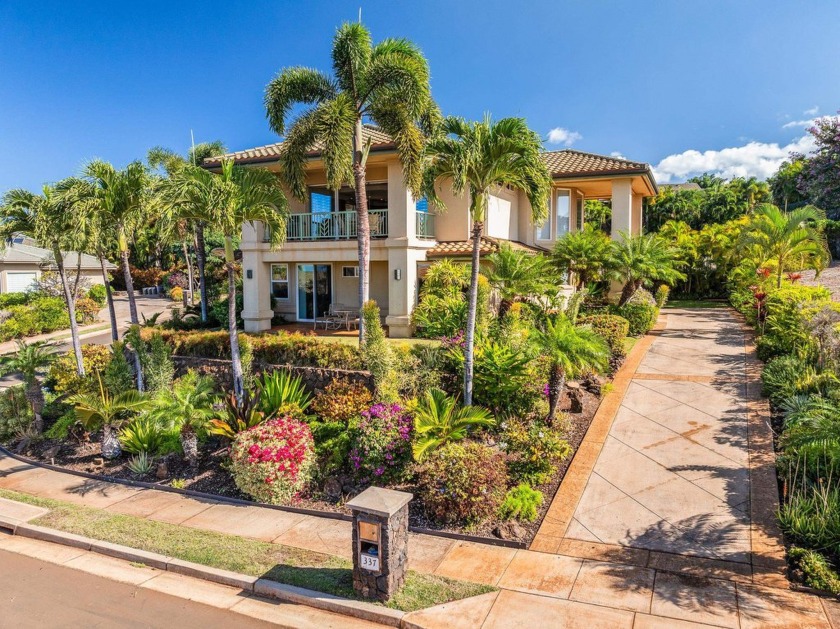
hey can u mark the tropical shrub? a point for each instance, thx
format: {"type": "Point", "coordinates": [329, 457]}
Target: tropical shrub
{"type": "Point", "coordinates": [15, 412]}
{"type": "Point", "coordinates": [219, 310]}
{"type": "Point", "coordinates": [381, 446]}
{"type": "Point", "coordinates": [281, 393]}
{"type": "Point", "coordinates": [786, 376]}
{"type": "Point", "coordinates": [436, 317]}
{"type": "Point", "coordinates": [118, 375]}
{"type": "Point", "coordinates": [500, 374]}
{"type": "Point", "coordinates": [521, 503]}
{"type": "Point", "coordinates": [534, 450]}
{"type": "Point", "coordinates": [271, 349]}
{"type": "Point", "coordinates": [640, 315]}
{"type": "Point", "coordinates": [62, 377]}
{"type": "Point", "coordinates": [439, 420]}
{"type": "Point", "coordinates": [156, 360]}
{"type": "Point", "coordinates": [63, 426]}
{"type": "Point", "coordinates": [661, 296]}
{"type": "Point", "coordinates": [141, 463]}
{"type": "Point", "coordinates": [612, 328]}
{"type": "Point", "coordinates": [176, 293]}
{"type": "Point", "coordinates": [239, 416]}
{"type": "Point", "coordinates": [817, 571]}
{"type": "Point", "coordinates": [376, 353]}
{"type": "Point", "coordinates": [463, 483]}
{"type": "Point", "coordinates": [98, 294]}
{"type": "Point", "coordinates": [442, 307]}
{"type": "Point", "coordinates": [811, 517]}
{"type": "Point", "coordinates": [87, 311]}
{"type": "Point", "coordinates": [175, 279]}
{"type": "Point", "coordinates": [143, 434]}
{"type": "Point", "coordinates": [187, 408]}
{"type": "Point", "coordinates": [417, 368]}
{"type": "Point", "coordinates": [341, 400]}
{"type": "Point", "coordinates": [273, 462]}
{"type": "Point", "coordinates": [108, 412]}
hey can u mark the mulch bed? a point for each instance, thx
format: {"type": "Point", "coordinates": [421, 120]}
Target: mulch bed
{"type": "Point", "coordinates": [83, 455]}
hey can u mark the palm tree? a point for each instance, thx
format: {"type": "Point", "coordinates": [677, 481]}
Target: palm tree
{"type": "Point", "coordinates": [50, 220]}
{"type": "Point", "coordinates": [439, 419]}
{"type": "Point", "coordinates": [386, 84]}
{"type": "Point", "coordinates": [108, 412]}
{"type": "Point", "coordinates": [189, 406]}
{"type": "Point", "coordinates": [480, 158]}
{"type": "Point", "coordinates": [572, 350]}
{"type": "Point", "coordinates": [225, 201]}
{"type": "Point", "coordinates": [644, 258]}
{"type": "Point", "coordinates": [170, 161]}
{"type": "Point", "coordinates": [583, 254]}
{"type": "Point", "coordinates": [119, 197]}
{"type": "Point", "coordinates": [515, 274]}
{"type": "Point", "coordinates": [788, 238]}
{"type": "Point", "coordinates": [28, 361]}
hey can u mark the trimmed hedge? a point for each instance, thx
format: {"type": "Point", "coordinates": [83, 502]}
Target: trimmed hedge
{"type": "Point", "coordinates": [276, 348]}
{"type": "Point", "coordinates": [612, 328]}
{"type": "Point", "coordinates": [640, 316]}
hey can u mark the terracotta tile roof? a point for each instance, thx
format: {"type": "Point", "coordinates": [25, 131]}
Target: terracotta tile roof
{"type": "Point", "coordinates": [271, 152]}
{"type": "Point", "coordinates": [570, 163]}
{"type": "Point", "coordinates": [463, 248]}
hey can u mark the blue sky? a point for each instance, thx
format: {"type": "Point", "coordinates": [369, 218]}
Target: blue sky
{"type": "Point", "coordinates": [686, 86]}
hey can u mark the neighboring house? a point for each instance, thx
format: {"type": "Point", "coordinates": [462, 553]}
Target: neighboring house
{"type": "Point", "coordinates": [318, 264]}
{"type": "Point", "coordinates": [688, 185]}
{"type": "Point", "coordinates": [22, 263]}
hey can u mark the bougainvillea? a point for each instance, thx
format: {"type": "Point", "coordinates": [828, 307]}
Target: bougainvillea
{"type": "Point", "coordinates": [274, 461]}
{"type": "Point", "coordinates": [382, 444]}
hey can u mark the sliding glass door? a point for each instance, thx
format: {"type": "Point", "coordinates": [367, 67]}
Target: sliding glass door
{"type": "Point", "coordinates": [314, 290]}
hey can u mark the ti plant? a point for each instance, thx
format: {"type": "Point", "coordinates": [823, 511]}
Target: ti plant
{"type": "Point", "coordinates": [239, 416]}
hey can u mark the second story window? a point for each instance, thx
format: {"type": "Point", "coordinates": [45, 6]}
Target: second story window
{"type": "Point", "coordinates": [563, 206]}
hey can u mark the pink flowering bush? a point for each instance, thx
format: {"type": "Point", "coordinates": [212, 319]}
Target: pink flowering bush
{"type": "Point", "coordinates": [274, 461]}
{"type": "Point", "coordinates": [381, 446]}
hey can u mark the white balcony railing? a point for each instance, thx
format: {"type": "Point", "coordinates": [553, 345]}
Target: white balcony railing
{"type": "Point", "coordinates": [333, 225]}
{"type": "Point", "coordinates": [425, 225]}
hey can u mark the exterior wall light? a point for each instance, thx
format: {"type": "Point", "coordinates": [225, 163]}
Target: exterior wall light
{"type": "Point", "coordinates": [397, 274]}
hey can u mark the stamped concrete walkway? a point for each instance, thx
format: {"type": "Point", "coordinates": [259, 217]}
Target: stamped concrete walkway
{"type": "Point", "coordinates": [665, 518]}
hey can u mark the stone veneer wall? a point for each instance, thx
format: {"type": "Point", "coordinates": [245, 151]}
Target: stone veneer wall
{"type": "Point", "coordinates": [315, 378]}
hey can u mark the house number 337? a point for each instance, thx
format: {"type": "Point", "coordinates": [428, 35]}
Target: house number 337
{"type": "Point", "coordinates": [370, 562]}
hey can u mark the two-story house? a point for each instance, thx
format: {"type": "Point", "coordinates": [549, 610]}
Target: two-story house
{"type": "Point", "coordinates": [318, 264]}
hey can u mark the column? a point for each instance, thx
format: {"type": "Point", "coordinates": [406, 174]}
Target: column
{"type": "Point", "coordinates": [402, 288]}
{"type": "Point", "coordinates": [622, 207]}
{"type": "Point", "coordinates": [256, 291]}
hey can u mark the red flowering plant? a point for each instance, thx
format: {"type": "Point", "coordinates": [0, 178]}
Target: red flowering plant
{"type": "Point", "coordinates": [381, 446]}
{"type": "Point", "coordinates": [274, 461]}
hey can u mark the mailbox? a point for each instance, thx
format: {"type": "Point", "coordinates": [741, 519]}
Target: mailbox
{"type": "Point", "coordinates": [380, 541]}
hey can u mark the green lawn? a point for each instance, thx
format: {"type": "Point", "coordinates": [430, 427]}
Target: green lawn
{"type": "Point", "coordinates": [284, 564]}
{"type": "Point", "coordinates": [695, 303]}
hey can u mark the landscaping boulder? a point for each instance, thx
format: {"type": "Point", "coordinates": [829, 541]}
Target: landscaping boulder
{"type": "Point", "coordinates": [332, 488]}
{"type": "Point", "coordinates": [510, 531]}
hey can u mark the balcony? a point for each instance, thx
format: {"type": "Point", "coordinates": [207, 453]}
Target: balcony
{"type": "Point", "coordinates": [424, 225]}
{"type": "Point", "coordinates": [333, 226]}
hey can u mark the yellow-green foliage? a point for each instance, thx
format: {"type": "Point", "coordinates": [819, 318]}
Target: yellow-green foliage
{"type": "Point", "coordinates": [521, 503]}
{"type": "Point", "coordinates": [62, 375]}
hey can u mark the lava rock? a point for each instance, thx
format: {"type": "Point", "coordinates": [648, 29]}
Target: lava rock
{"type": "Point", "coordinates": [52, 452]}
{"type": "Point", "coordinates": [23, 445]}
{"type": "Point", "coordinates": [162, 472]}
{"type": "Point", "coordinates": [510, 530]}
{"type": "Point", "coordinates": [333, 488]}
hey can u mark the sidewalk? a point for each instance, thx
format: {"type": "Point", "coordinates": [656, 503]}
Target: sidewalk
{"type": "Point", "coordinates": [618, 579]}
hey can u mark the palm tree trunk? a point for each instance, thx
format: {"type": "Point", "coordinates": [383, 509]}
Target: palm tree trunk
{"type": "Point", "coordinates": [200, 260]}
{"type": "Point", "coordinates": [235, 356]}
{"type": "Point", "coordinates": [110, 444]}
{"type": "Point", "coordinates": [189, 442]}
{"type": "Point", "coordinates": [478, 227]}
{"type": "Point", "coordinates": [556, 382]}
{"type": "Point", "coordinates": [186, 250]}
{"type": "Point", "coordinates": [70, 300]}
{"type": "Point", "coordinates": [132, 304]}
{"type": "Point", "coordinates": [109, 299]}
{"type": "Point", "coordinates": [627, 292]}
{"type": "Point", "coordinates": [362, 223]}
{"type": "Point", "coordinates": [35, 396]}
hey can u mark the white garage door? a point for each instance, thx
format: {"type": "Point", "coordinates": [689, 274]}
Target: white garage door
{"type": "Point", "coordinates": [20, 281]}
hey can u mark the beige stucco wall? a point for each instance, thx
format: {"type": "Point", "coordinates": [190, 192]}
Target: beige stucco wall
{"type": "Point", "coordinates": [93, 276]}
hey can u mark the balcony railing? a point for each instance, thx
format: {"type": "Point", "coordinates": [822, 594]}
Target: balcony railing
{"type": "Point", "coordinates": [333, 225]}
{"type": "Point", "coordinates": [425, 225]}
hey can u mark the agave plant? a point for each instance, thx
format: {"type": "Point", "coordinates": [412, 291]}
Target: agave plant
{"type": "Point", "coordinates": [280, 391]}
{"type": "Point", "coordinates": [239, 416]}
{"type": "Point", "coordinates": [141, 463]}
{"type": "Point", "coordinates": [439, 419]}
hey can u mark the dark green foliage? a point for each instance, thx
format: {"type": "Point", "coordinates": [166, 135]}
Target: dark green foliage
{"type": "Point", "coordinates": [534, 450]}
{"type": "Point", "coordinates": [376, 353]}
{"type": "Point", "coordinates": [641, 317]}
{"type": "Point", "coordinates": [521, 503]}
{"type": "Point", "coordinates": [281, 393]}
{"type": "Point", "coordinates": [238, 416]}
{"type": "Point", "coordinates": [141, 435]}
{"type": "Point", "coordinates": [786, 376]}
{"type": "Point", "coordinates": [118, 375]}
{"type": "Point", "coordinates": [98, 294]}
{"type": "Point", "coordinates": [219, 311]}
{"type": "Point", "coordinates": [817, 571]}
{"type": "Point", "coordinates": [15, 412]}
{"type": "Point", "coordinates": [156, 359]}
{"type": "Point", "coordinates": [811, 517]}
{"type": "Point", "coordinates": [62, 426]}
{"type": "Point", "coordinates": [463, 483]}
{"type": "Point", "coordinates": [500, 376]}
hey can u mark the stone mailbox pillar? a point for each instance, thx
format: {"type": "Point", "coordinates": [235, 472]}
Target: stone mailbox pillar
{"type": "Point", "coordinates": [380, 541]}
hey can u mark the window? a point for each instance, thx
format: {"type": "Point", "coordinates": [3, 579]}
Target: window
{"type": "Point", "coordinates": [349, 271]}
{"type": "Point", "coordinates": [563, 207]}
{"type": "Point", "coordinates": [544, 232]}
{"type": "Point", "coordinates": [280, 281]}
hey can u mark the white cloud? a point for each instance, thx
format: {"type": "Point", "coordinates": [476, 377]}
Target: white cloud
{"type": "Point", "coordinates": [798, 123]}
{"type": "Point", "coordinates": [813, 111]}
{"type": "Point", "coordinates": [559, 135]}
{"type": "Point", "coordinates": [753, 159]}
{"type": "Point", "coordinates": [617, 155]}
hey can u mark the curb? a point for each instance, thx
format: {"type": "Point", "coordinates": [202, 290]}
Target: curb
{"type": "Point", "coordinates": [256, 585]}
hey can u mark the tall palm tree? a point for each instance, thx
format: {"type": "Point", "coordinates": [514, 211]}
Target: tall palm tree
{"type": "Point", "coordinates": [639, 259]}
{"type": "Point", "coordinates": [571, 350]}
{"type": "Point", "coordinates": [583, 254]}
{"type": "Point", "coordinates": [480, 158]}
{"type": "Point", "coordinates": [106, 411]}
{"type": "Point", "coordinates": [386, 84]}
{"type": "Point", "coordinates": [50, 220]}
{"type": "Point", "coordinates": [28, 361]}
{"type": "Point", "coordinates": [788, 238]}
{"type": "Point", "coordinates": [170, 161]}
{"type": "Point", "coordinates": [225, 201]}
{"type": "Point", "coordinates": [188, 406]}
{"type": "Point", "coordinates": [515, 274]}
{"type": "Point", "coordinates": [119, 197]}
